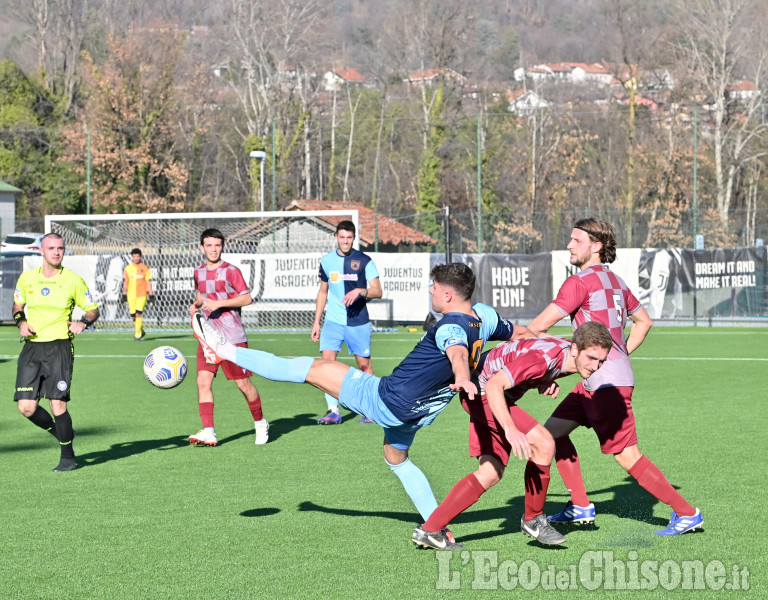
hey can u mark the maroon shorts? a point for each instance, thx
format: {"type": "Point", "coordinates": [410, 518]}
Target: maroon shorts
{"type": "Point", "coordinates": [608, 411]}
{"type": "Point", "coordinates": [231, 370]}
{"type": "Point", "coordinates": [486, 436]}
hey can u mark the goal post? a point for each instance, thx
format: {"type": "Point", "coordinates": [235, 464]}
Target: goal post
{"type": "Point", "coordinates": [278, 253]}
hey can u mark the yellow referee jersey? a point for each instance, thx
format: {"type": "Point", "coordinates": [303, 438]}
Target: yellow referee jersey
{"type": "Point", "coordinates": [50, 302]}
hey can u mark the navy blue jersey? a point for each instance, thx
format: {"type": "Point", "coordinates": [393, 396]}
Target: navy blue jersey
{"type": "Point", "coordinates": [418, 389]}
{"type": "Point", "coordinates": [343, 274]}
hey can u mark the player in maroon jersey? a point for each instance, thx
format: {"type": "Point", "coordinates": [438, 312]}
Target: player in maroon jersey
{"type": "Point", "coordinates": [499, 428]}
{"type": "Point", "coordinates": [221, 292]}
{"type": "Point", "coordinates": [604, 401]}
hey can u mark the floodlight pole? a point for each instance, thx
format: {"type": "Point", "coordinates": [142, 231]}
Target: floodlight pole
{"type": "Point", "coordinates": [261, 156]}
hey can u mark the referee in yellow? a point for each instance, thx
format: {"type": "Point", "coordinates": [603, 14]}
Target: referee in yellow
{"type": "Point", "coordinates": [44, 369]}
{"type": "Point", "coordinates": [137, 284]}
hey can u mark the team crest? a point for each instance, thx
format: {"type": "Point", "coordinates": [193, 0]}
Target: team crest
{"type": "Point", "coordinates": [355, 264]}
{"type": "Point", "coordinates": [45, 291]}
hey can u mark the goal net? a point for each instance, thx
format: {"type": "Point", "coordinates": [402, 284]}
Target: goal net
{"type": "Point", "coordinates": [278, 253]}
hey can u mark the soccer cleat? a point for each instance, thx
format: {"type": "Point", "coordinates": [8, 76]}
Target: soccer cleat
{"type": "Point", "coordinates": [330, 418]}
{"type": "Point", "coordinates": [574, 514]}
{"type": "Point", "coordinates": [210, 339]}
{"type": "Point", "coordinates": [65, 464]}
{"type": "Point", "coordinates": [262, 432]}
{"type": "Point", "coordinates": [439, 540]}
{"type": "Point", "coordinates": [679, 525]}
{"type": "Point", "coordinates": [204, 437]}
{"type": "Point", "coordinates": [540, 529]}
{"type": "Point", "coordinates": [365, 420]}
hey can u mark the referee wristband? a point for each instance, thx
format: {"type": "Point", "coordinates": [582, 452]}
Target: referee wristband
{"type": "Point", "coordinates": [19, 317]}
{"type": "Point", "coordinates": [86, 321]}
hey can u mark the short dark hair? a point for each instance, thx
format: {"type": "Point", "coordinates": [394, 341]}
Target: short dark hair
{"type": "Point", "coordinates": [457, 276]}
{"type": "Point", "coordinates": [600, 231]}
{"type": "Point", "coordinates": [136, 251]}
{"type": "Point", "coordinates": [346, 226]}
{"type": "Point", "coordinates": [212, 233]}
{"type": "Point", "coordinates": [591, 334]}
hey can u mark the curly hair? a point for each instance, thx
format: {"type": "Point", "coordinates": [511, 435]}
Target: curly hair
{"type": "Point", "coordinates": [600, 231]}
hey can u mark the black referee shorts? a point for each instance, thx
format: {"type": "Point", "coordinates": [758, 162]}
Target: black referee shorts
{"type": "Point", "coordinates": [45, 370]}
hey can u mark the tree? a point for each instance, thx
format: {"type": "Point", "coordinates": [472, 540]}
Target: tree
{"type": "Point", "coordinates": [31, 144]}
{"type": "Point", "coordinates": [722, 43]}
{"type": "Point", "coordinates": [131, 111]}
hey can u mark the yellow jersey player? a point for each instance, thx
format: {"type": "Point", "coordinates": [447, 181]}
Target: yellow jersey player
{"type": "Point", "coordinates": [137, 287]}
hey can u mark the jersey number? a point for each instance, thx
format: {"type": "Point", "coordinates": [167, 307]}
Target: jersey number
{"type": "Point", "coordinates": [474, 355]}
{"type": "Point", "coordinates": [619, 308]}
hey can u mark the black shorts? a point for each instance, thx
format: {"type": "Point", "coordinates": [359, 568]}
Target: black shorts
{"type": "Point", "coordinates": [45, 370]}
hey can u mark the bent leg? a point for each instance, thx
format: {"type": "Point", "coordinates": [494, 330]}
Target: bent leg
{"type": "Point", "coordinates": [567, 459]}
{"type": "Point", "coordinates": [651, 479]}
{"type": "Point", "coordinates": [466, 492]}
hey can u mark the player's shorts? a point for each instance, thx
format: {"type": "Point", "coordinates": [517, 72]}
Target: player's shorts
{"type": "Point", "coordinates": [136, 304]}
{"type": "Point", "coordinates": [357, 338]}
{"type": "Point", "coordinates": [486, 436]}
{"type": "Point", "coordinates": [360, 393]}
{"type": "Point", "coordinates": [44, 370]}
{"type": "Point", "coordinates": [607, 410]}
{"type": "Point", "coordinates": [231, 370]}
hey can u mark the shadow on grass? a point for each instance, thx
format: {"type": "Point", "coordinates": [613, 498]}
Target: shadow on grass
{"type": "Point", "coordinates": [126, 449]}
{"type": "Point", "coordinates": [629, 501]}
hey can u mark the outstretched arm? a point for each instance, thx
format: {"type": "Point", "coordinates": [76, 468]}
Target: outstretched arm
{"type": "Point", "coordinates": [546, 319]}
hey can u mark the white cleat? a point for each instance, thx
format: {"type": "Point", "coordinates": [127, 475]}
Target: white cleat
{"type": "Point", "coordinates": [204, 437]}
{"type": "Point", "coordinates": [262, 432]}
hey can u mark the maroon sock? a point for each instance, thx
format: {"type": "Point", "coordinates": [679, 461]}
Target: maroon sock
{"type": "Point", "coordinates": [463, 495]}
{"type": "Point", "coordinates": [651, 479]}
{"type": "Point", "coordinates": [536, 484]}
{"type": "Point", "coordinates": [206, 413]}
{"type": "Point", "coordinates": [567, 460]}
{"type": "Point", "coordinates": [255, 408]}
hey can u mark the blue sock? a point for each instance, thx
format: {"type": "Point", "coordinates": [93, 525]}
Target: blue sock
{"type": "Point", "coordinates": [416, 486]}
{"type": "Point", "coordinates": [273, 367]}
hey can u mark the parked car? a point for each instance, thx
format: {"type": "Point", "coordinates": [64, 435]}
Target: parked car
{"type": "Point", "coordinates": [21, 244]}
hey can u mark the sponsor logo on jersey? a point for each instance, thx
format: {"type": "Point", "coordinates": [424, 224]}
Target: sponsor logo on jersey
{"type": "Point", "coordinates": [88, 296]}
{"type": "Point", "coordinates": [62, 385]}
{"type": "Point", "coordinates": [357, 375]}
{"type": "Point", "coordinates": [335, 277]}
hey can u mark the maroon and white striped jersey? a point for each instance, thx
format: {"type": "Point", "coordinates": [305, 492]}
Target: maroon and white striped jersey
{"type": "Point", "coordinates": [597, 294]}
{"type": "Point", "coordinates": [224, 282]}
{"type": "Point", "coordinates": [528, 362]}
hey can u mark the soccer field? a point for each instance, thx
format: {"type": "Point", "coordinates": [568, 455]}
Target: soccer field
{"type": "Point", "coordinates": [316, 513]}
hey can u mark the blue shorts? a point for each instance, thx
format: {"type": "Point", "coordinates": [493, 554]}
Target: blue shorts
{"type": "Point", "coordinates": [358, 338]}
{"type": "Point", "coordinates": [360, 393]}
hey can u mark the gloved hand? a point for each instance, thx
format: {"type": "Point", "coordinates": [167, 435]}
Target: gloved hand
{"type": "Point", "coordinates": [151, 299]}
{"type": "Point", "coordinates": [124, 298]}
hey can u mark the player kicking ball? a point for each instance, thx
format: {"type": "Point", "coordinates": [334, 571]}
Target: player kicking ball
{"type": "Point", "coordinates": [418, 389]}
{"type": "Point", "coordinates": [498, 427]}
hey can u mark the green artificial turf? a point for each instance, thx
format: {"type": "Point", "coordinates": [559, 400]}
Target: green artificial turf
{"type": "Point", "coordinates": [316, 513]}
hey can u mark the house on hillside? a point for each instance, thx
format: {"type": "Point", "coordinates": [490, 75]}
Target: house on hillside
{"type": "Point", "coordinates": [337, 79]}
{"type": "Point", "coordinates": [568, 72]}
{"type": "Point", "coordinates": [742, 90]}
{"type": "Point", "coordinates": [429, 77]}
{"type": "Point", "coordinates": [525, 102]}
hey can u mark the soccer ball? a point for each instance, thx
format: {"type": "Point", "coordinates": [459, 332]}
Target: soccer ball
{"type": "Point", "coordinates": [165, 367]}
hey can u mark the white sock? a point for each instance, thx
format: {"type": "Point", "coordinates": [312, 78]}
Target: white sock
{"type": "Point", "coordinates": [334, 409]}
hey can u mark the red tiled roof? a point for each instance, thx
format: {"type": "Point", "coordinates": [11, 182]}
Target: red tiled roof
{"type": "Point", "coordinates": [390, 231]}
{"type": "Point", "coordinates": [349, 75]}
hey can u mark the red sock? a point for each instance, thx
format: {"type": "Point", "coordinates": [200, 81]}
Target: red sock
{"type": "Point", "coordinates": [567, 460]}
{"type": "Point", "coordinates": [463, 495]}
{"type": "Point", "coordinates": [536, 484]}
{"type": "Point", "coordinates": [206, 413]}
{"type": "Point", "coordinates": [255, 408]}
{"type": "Point", "coordinates": [651, 479]}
